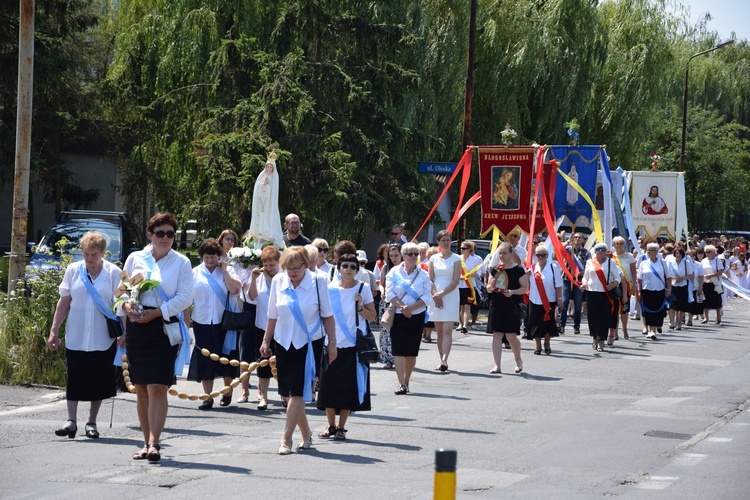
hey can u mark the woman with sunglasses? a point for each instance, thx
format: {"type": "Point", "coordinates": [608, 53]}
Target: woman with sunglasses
{"type": "Point", "coordinates": [153, 361]}
{"type": "Point", "coordinates": [393, 259]}
{"type": "Point", "coordinates": [626, 262]}
{"type": "Point", "coordinates": [445, 275]}
{"type": "Point", "coordinates": [408, 289]}
{"type": "Point", "coordinates": [507, 283]}
{"type": "Point", "coordinates": [681, 270]}
{"type": "Point", "coordinates": [696, 307]}
{"type": "Point", "coordinates": [713, 268]}
{"type": "Point", "coordinates": [298, 304]}
{"type": "Point", "coordinates": [320, 259]}
{"type": "Point", "coordinates": [345, 384]}
{"type": "Point", "coordinates": [545, 296]}
{"type": "Point", "coordinates": [600, 277]}
{"type": "Point", "coordinates": [471, 265]}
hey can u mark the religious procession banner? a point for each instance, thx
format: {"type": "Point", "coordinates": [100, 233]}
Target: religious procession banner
{"type": "Point", "coordinates": [657, 202]}
{"type": "Point", "coordinates": [505, 175]}
{"type": "Point", "coordinates": [580, 165]}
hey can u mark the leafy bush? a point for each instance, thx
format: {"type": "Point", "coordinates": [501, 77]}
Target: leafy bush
{"type": "Point", "coordinates": [25, 319]}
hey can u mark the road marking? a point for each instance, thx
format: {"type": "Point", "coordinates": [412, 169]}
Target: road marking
{"type": "Point", "coordinates": [657, 482]}
{"type": "Point", "coordinates": [684, 360]}
{"type": "Point", "coordinates": [720, 440]}
{"type": "Point", "coordinates": [690, 388]}
{"type": "Point", "coordinates": [689, 459]}
{"type": "Point", "coordinates": [31, 409]}
{"type": "Point", "coordinates": [657, 401]}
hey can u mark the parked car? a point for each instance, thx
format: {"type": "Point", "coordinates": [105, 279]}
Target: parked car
{"type": "Point", "coordinates": [122, 237]}
{"type": "Point", "coordinates": [482, 250]}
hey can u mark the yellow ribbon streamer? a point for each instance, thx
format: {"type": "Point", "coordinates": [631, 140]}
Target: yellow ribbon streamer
{"type": "Point", "coordinates": [466, 276]}
{"type": "Point", "coordinates": [594, 212]}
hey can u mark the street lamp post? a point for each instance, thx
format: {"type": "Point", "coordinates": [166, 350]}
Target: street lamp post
{"type": "Point", "coordinates": [685, 97]}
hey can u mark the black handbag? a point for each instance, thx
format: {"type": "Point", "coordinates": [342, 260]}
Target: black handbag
{"type": "Point", "coordinates": [367, 348]}
{"type": "Point", "coordinates": [520, 310]}
{"type": "Point", "coordinates": [114, 326]}
{"type": "Point", "coordinates": [242, 320]}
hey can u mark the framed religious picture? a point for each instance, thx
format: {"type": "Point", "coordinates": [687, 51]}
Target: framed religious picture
{"type": "Point", "coordinates": [501, 279]}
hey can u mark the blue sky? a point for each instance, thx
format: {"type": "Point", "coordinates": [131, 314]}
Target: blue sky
{"type": "Point", "coordinates": [727, 16]}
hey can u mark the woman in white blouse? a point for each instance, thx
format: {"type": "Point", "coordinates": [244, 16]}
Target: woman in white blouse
{"type": "Point", "coordinates": [408, 289]}
{"type": "Point", "coordinates": [89, 350]}
{"type": "Point", "coordinates": [445, 275]}
{"type": "Point", "coordinates": [545, 294]}
{"type": "Point", "coordinates": [600, 277]}
{"type": "Point", "coordinates": [345, 384]}
{"type": "Point", "coordinates": [320, 259]}
{"type": "Point", "coordinates": [712, 287]}
{"type": "Point", "coordinates": [626, 262]}
{"type": "Point", "coordinates": [212, 280]}
{"type": "Point", "coordinates": [153, 361]}
{"type": "Point", "coordinates": [297, 305]}
{"type": "Point", "coordinates": [260, 287]}
{"type": "Point", "coordinates": [654, 287]}
{"type": "Point", "coordinates": [681, 270]}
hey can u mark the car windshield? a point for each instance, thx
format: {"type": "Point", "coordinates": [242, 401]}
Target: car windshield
{"type": "Point", "coordinates": [73, 231]}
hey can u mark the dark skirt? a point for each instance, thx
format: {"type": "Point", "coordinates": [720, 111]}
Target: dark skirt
{"type": "Point", "coordinates": [91, 374]}
{"type": "Point", "coordinates": [695, 306]}
{"type": "Point", "coordinates": [318, 354]}
{"type": "Point", "coordinates": [680, 302]}
{"type": "Point", "coordinates": [406, 334]}
{"type": "Point", "coordinates": [538, 327]}
{"type": "Point", "coordinates": [713, 299]}
{"type": "Point", "coordinates": [251, 352]}
{"type": "Point", "coordinates": [248, 350]}
{"type": "Point", "coordinates": [338, 384]}
{"type": "Point", "coordinates": [209, 337]}
{"type": "Point", "coordinates": [290, 369]}
{"type": "Point", "coordinates": [653, 300]}
{"type": "Point", "coordinates": [600, 314]}
{"type": "Point", "coordinates": [502, 319]}
{"type": "Point", "coordinates": [150, 356]}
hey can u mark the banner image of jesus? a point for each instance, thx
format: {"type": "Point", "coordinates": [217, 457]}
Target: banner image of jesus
{"type": "Point", "coordinates": [653, 204]}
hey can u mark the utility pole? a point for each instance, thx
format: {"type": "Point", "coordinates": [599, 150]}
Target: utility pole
{"type": "Point", "coordinates": [23, 142]}
{"type": "Point", "coordinates": [468, 102]}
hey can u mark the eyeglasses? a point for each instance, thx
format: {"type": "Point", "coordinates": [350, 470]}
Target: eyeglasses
{"type": "Point", "coordinates": [465, 248]}
{"type": "Point", "coordinates": [162, 234]}
{"type": "Point", "coordinates": [348, 266]}
{"type": "Point", "coordinates": [619, 243]}
{"type": "Point", "coordinates": [296, 269]}
{"type": "Point", "coordinates": [512, 236]}
{"type": "Point", "coordinates": [323, 250]}
{"type": "Point", "coordinates": [395, 234]}
{"type": "Point", "coordinates": [600, 249]}
{"type": "Point", "coordinates": [541, 255]}
{"type": "Point", "coordinates": [411, 254]}
{"type": "Point", "coordinates": [229, 238]}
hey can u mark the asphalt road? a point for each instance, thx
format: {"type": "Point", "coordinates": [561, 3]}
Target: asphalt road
{"type": "Point", "coordinates": [645, 419]}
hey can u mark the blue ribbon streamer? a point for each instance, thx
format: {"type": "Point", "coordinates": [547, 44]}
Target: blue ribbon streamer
{"type": "Point", "coordinates": [338, 314]}
{"type": "Point", "coordinates": [310, 359]}
{"type": "Point", "coordinates": [230, 339]}
{"type": "Point", "coordinates": [406, 287]}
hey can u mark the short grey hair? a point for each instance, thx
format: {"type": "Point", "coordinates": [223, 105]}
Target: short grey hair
{"type": "Point", "coordinates": [652, 246]}
{"type": "Point", "coordinates": [409, 247]}
{"type": "Point", "coordinates": [423, 246]}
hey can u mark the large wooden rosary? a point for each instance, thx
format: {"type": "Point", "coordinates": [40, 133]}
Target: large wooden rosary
{"type": "Point", "coordinates": [249, 367]}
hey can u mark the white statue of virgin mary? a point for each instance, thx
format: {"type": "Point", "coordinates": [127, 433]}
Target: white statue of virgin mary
{"type": "Point", "coordinates": [265, 224]}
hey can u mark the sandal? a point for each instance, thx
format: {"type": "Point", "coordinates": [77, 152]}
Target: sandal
{"type": "Point", "coordinates": [402, 389]}
{"type": "Point", "coordinates": [547, 351]}
{"type": "Point", "coordinates": [154, 456]}
{"type": "Point", "coordinates": [340, 434]}
{"type": "Point", "coordinates": [537, 351]}
{"type": "Point", "coordinates": [599, 349]}
{"type": "Point", "coordinates": [329, 432]}
{"type": "Point", "coordinates": [141, 455]}
{"type": "Point", "coordinates": [207, 404]}
{"type": "Point", "coordinates": [226, 399]}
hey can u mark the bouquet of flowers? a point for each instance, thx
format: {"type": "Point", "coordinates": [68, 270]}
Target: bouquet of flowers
{"type": "Point", "coordinates": [134, 287]}
{"type": "Point", "coordinates": [245, 255]}
{"type": "Point", "coordinates": [508, 135]}
{"type": "Point", "coordinates": [572, 128]}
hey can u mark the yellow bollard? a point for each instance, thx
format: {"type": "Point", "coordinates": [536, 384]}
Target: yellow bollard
{"type": "Point", "coordinates": [445, 474]}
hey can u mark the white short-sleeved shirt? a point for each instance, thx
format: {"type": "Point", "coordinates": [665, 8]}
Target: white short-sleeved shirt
{"type": "Point", "coordinates": [684, 268]}
{"type": "Point", "coordinates": [627, 258]}
{"type": "Point", "coordinates": [287, 331]}
{"type": "Point", "coordinates": [649, 280]}
{"type": "Point", "coordinates": [86, 327]}
{"type": "Point", "coordinates": [551, 279]}
{"type": "Point", "coordinates": [174, 273]}
{"type": "Point", "coordinates": [208, 308]}
{"type": "Point", "coordinates": [421, 285]}
{"type": "Point", "coordinates": [611, 272]}
{"type": "Point", "coordinates": [348, 307]}
{"type": "Point", "coordinates": [263, 286]}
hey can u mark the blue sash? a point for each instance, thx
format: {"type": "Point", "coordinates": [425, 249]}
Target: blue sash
{"type": "Point", "coordinates": [98, 300]}
{"type": "Point", "coordinates": [338, 314]}
{"type": "Point", "coordinates": [406, 287]}
{"type": "Point", "coordinates": [310, 359]}
{"type": "Point", "coordinates": [183, 356]}
{"type": "Point", "coordinates": [230, 339]}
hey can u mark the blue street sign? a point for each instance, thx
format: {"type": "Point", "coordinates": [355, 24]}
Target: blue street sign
{"type": "Point", "coordinates": [436, 167]}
